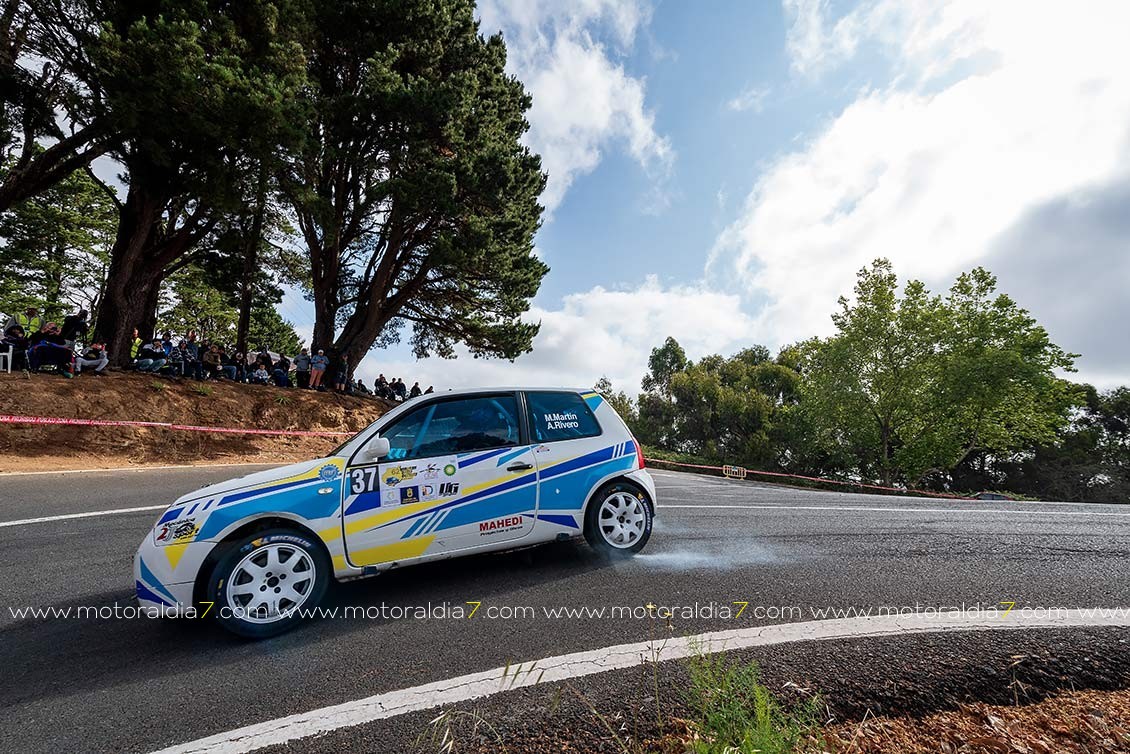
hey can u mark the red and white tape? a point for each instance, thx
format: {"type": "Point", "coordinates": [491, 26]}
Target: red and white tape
{"type": "Point", "coordinates": [13, 419]}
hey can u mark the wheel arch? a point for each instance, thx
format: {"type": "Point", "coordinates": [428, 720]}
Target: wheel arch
{"type": "Point", "coordinates": [611, 479]}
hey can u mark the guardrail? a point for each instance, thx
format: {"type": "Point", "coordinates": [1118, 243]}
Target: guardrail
{"type": "Point", "coordinates": [740, 472]}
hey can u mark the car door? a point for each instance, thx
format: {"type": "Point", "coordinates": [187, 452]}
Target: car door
{"type": "Point", "coordinates": [572, 452]}
{"type": "Point", "coordinates": [459, 474]}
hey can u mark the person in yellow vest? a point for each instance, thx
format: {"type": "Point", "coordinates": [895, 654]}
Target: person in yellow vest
{"type": "Point", "coordinates": [133, 349]}
{"type": "Point", "coordinates": [30, 320]}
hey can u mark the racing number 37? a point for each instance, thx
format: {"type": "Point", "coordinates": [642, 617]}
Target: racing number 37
{"type": "Point", "coordinates": [363, 480]}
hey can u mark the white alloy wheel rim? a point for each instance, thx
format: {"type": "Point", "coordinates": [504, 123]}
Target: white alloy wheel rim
{"type": "Point", "coordinates": [621, 519]}
{"type": "Point", "coordinates": [270, 583]}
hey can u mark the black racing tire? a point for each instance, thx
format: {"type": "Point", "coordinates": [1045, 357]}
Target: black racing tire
{"type": "Point", "coordinates": [618, 519]}
{"type": "Point", "coordinates": [249, 586]}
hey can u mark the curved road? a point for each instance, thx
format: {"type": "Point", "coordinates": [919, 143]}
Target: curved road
{"type": "Point", "coordinates": [139, 685]}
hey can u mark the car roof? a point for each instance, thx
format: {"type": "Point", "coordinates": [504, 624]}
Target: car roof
{"type": "Point", "coordinates": [510, 389]}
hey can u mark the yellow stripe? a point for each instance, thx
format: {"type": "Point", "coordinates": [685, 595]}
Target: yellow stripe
{"type": "Point", "coordinates": [401, 550]}
{"type": "Point", "coordinates": [174, 553]}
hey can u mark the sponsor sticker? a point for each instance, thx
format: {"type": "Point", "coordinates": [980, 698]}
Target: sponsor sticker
{"type": "Point", "coordinates": [448, 489]}
{"type": "Point", "coordinates": [329, 472]}
{"type": "Point", "coordinates": [450, 469]}
{"type": "Point", "coordinates": [427, 492]}
{"type": "Point", "coordinates": [409, 495]}
{"type": "Point", "coordinates": [390, 496]}
{"type": "Point", "coordinates": [498, 525]}
{"type": "Point", "coordinates": [177, 531]}
{"type": "Point", "coordinates": [431, 471]}
{"type": "Point", "coordinates": [394, 475]}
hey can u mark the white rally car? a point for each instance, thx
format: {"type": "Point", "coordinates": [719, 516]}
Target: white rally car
{"type": "Point", "coordinates": [441, 476]}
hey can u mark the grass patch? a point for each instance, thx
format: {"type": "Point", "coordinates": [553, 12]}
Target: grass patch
{"type": "Point", "coordinates": [734, 713]}
{"type": "Point", "coordinates": [202, 389]}
{"type": "Point", "coordinates": [159, 386]}
{"type": "Point", "coordinates": [283, 399]}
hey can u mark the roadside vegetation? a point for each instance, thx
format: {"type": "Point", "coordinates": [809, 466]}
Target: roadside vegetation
{"type": "Point", "coordinates": [958, 392]}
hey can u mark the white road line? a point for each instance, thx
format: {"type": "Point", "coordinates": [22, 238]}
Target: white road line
{"type": "Point", "coordinates": [897, 510]}
{"type": "Point", "coordinates": [579, 664]}
{"type": "Point", "coordinates": [90, 514]}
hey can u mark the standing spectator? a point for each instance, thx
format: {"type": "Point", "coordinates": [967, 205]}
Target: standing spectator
{"type": "Point", "coordinates": [341, 372]}
{"type": "Point", "coordinates": [416, 391]}
{"type": "Point", "coordinates": [281, 372]}
{"type": "Point", "coordinates": [74, 327]}
{"type": "Point", "coordinates": [135, 345]}
{"type": "Point", "coordinates": [318, 364]}
{"type": "Point", "coordinates": [240, 362]}
{"type": "Point", "coordinates": [151, 357]}
{"type": "Point", "coordinates": [94, 356]}
{"type": "Point", "coordinates": [191, 356]}
{"type": "Point", "coordinates": [302, 369]}
{"type": "Point", "coordinates": [213, 363]}
{"type": "Point", "coordinates": [30, 321]}
{"type": "Point", "coordinates": [16, 338]}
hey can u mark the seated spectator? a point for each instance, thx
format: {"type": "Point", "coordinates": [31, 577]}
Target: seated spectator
{"type": "Point", "coordinates": [302, 369]}
{"type": "Point", "coordinates": [135, 345]}
{"type": "Point", "coordinates": [167, 342]}
{"type": "Point", "coordinates": [416, 391]}
{"type": "Point", "coordinates": [151, 357]}
{"type": "Point", "coordinates": [281, 372]}
{"type": "Point", "coordinates": [400, 389]}
{"type": "Point", "coordinates": [15, 337]}
{"type": "Point", "coordinates": [231, 369]}
{"type": "Point", "coordinates": [49, 348]}
{"type": "Point", "coordinates": [74, 327]}
{"type": "Point", "coordinates": [429, 391]}
{"type": "Point", "coordinates": [213, 363]}
{"type": "Point", "coordinates": [240, 362]}
{"type": "Point", "coordinates": [94, 356]}
{"type": "Point", "coordinates": [260, 376]}
{"type": "Point", "coordinates": [29, 321]}
{"type": "Point", "coordinates": [174, 360]}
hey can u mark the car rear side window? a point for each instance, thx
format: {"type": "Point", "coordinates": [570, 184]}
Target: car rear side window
{"type": "Point", "coordinates": [560, 416]}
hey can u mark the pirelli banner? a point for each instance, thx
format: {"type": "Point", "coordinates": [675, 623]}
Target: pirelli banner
{"type": "Point", "coordinates": [734, 472]}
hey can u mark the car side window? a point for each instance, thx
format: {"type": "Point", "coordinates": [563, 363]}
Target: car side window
{"type": "Point", "coordinates": [560, 416]}
{"type": "Point", "coordinates": [455, 426]}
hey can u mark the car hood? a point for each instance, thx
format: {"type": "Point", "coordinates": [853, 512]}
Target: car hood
{"type": "Point", "coordinates": [251, 480]}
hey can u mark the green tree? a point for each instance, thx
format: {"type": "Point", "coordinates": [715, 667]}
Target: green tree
{"type": "Point", "coordinates": [55, 248]}
{"type": "Point", "coordinates": [912, 385]}
{"type": "Point", "coordinates": [620, 401]}
{"type": "Point", "coordinates": [412, 191]}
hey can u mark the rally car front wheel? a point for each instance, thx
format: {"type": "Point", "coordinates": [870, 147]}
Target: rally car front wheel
{"type": "Point", "coordinates": [265, 583]}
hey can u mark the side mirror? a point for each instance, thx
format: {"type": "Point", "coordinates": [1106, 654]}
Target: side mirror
{"type": "Point", "coordinates": [376, 449]}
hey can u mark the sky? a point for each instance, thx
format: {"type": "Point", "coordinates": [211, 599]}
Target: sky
{"type": "Point", "coordinates": [719, 172]}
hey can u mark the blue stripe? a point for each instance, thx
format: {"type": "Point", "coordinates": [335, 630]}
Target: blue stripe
{"type": "Point", "coordinates": [630, 447]}
{"type": "Point", "coordinates": [148, 576]}
{"type": "Point", "coordinates": [412, 529]}
{"type": "Point", "coordinates": [363, 502]}
{"type": "Point", "coordinates": [485, 456]}
{"type": "Point", "coordinates": [145, 593]}
{"type": "Point", "coordinates": [438, 520]}
{"type": "Point", "coordinates": [559, 519]}
{"type": "Point", "coordinates": [170, 514]}
{"type": "Point", "coordinates": [512, 456]}
{"type": "Point", "coordinates": [236, 497]}
{"type": "Point", "coordinates": [604, 454]}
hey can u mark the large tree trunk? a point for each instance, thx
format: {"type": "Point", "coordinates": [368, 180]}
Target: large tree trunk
{"type": "Point", "coordinates": [133, 280]}
{"type": "Point", "coordinates": [250, 264]}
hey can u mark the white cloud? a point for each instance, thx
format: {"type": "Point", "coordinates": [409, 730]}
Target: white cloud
{"type": "Point", "coordinates": [583, 101]}
{"type": "Point", "coordinates": [596, 333]}
{"type": "Point", "coordinates": [994, 108]}
{"type": "Point", "coordinates": [751, 98]}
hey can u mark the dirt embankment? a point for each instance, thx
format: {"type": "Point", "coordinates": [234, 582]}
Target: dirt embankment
{"type": "Point", "coordinates": [134, 397]}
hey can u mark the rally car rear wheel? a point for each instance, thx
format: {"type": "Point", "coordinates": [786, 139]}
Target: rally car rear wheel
{"type": "Point", "coordinates": [618, 520]}
{"type": "Point", "coordinates": [265, 582]}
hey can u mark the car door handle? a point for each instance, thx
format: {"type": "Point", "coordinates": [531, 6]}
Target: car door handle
{"type": "Point", "coordinates": [520, 466]}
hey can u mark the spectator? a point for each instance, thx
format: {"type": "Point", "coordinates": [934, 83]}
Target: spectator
{"type": "Point", "coordinates": [213, 363]}
{"type": "Point", "coordinates": [191, 356]}
{"type": "Point", "coordinates": [74, 327]}
{"type": "Point", "coordinates": [30, 321]}
{"type": "Point", "coordinates": [151, 357]}
{"type": "Point", "coordinates": [265, 359]}
{"type": "Point", "coordinates": [167, 342]}
{"type": "Point", "coordinates": [174, 361]}
{"type": "Point", "coordinates": [302, 369]}
{"type": "Point", "coordinates": [416, 391]}
{"type": "Point", "coordinates": [400, 389]}
{"type": "Point", "coordinates": [230, 365]}
{"type": "Point", "coordinates": [240, 362]}
{"type": "Point", "coordinates": [341, 373]}
{"type": "Point", "coordinates": [429, 391]}
{"type": "Point", "coordinates": [318, 364]}
{"type": "Point", "coordinates": [16, 338]}
{"type": "Point", "coordinates": [135, 345]}
{"type": "Point", "coordinates": [48, 347]}
{"type": "Point", "coordinates": [94, 356]}
{"type": "Point", "coordinates": [260, 376]}
{"type": "Point", "coordinates": [281, 372]}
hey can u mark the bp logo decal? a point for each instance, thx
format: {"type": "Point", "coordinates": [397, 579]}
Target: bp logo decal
{"type": "Point", "coordinates": [329, 472]}
{"type": "Point", "coordinates": [449, 469]}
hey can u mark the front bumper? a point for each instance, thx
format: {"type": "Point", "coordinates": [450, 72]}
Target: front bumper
{"type": "Point", "coordinates": [164, 576]}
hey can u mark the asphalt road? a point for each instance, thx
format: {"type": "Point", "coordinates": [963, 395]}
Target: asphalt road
{"type": "Point", "coordinates": [119, 685]}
